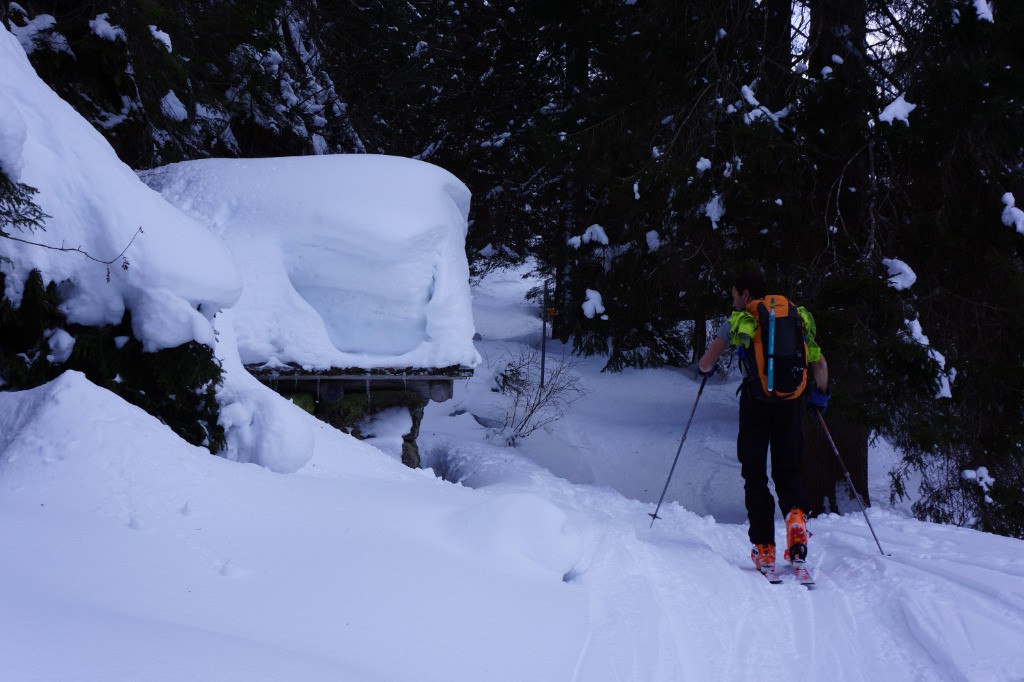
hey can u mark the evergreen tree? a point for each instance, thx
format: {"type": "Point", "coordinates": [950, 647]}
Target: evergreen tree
{"type": "Point", "coordinates": [958, 168]}
{"type": "Point", "coordinates": [176, 385]}
{"type": "Point", "coordinates": [18, 210]}
{"type": "Point", "coordinates": [166, 81]}
{"type": "Point", "coordinates": [646, 114]}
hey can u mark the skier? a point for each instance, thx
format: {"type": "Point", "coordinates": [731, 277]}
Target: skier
{"type": "Point", "coordinates": [775, 345]}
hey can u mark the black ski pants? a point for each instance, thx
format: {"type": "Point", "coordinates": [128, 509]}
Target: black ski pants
{"type": "Point", "coordinates": [776, 427]}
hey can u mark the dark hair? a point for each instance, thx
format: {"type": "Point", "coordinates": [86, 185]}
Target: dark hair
{"type": "Point", "coordinates": [752, 281]}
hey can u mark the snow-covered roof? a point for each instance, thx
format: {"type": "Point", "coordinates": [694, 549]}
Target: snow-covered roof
{"type": "Point", "coordinates": [347, 260]}
{"type": "Point", "coordinates": [334, 261]}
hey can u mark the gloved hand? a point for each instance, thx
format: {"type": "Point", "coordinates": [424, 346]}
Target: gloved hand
{"type": "Point", "coordinates": [818, 400]}
{"type": "Point", "coordinates": [717, 367]}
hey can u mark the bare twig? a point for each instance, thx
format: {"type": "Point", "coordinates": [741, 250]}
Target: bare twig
{"type": "Point", "coordinates": [534, 406]}
{"type": "Point", "coordinates": [77, 249]}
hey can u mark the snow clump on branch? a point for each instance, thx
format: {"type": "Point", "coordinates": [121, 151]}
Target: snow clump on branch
{"type": "Point", "coordinates": [899, 108]}
{"type": "Point", "coordinates": [1012, 216]}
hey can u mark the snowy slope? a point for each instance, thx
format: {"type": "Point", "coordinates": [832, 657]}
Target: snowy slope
{"type": "Point", "coordinates": [131, 555]}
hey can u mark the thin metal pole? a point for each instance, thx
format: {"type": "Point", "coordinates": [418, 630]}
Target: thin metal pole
{"type": "Point", "coordinates": [849, 481]}
{"type": "Point", "coordinates": [543, 333]}
{"type": "Point", "coordinates": [654, 516]}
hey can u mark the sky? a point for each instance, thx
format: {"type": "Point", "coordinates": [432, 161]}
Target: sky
{"type": "Point", "coordinates": [303, 553]}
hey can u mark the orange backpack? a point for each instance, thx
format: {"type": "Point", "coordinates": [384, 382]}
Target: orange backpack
{"type": "Point", "coordinates": [778, 349]}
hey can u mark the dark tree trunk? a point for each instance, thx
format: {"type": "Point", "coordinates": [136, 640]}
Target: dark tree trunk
{"type": "Point", "coordinates": [778, 52]}
{"type": "Point", "coordinates": [825, 484]}
{"type": "Point", "coordinates": [559, 324]}
{"type": "Point", "coordinates": [700, 336]}
{"type": "Point", "coordinates": [839, 28]}
{"type": "Point", "coordinates": [838, 43]}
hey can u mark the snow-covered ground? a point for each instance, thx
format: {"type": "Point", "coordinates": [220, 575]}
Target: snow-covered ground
{"type": "Point", "coordinates": [127, 554]}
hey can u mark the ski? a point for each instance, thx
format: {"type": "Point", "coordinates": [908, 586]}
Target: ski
{"type": "Point", "coordinates": [803, 576]}
{"type": "Point", "coordinates": [772, 576]}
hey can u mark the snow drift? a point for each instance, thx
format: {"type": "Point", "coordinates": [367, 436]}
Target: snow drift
{"type": "Point", "coordinates": [348, 260]}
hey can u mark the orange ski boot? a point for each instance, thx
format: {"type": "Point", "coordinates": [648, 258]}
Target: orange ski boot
{"type": "Point", "coordinates": [796, 536]}
{"type": "Point", "coordinates": [763, 557]}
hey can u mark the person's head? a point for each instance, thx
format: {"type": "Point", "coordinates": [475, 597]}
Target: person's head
{"type": "Point", "coordinates": [747, 286]}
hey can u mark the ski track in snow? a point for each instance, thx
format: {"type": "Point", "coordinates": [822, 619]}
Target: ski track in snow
{"type": "Point", "coordinates": [682, 596]}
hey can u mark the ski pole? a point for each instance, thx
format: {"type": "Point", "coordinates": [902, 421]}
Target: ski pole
{"type": "Point", "coordinates": [771, 347]}
{"type": "Point", "coordinates": [849, 481]}
{"type": "Point", "coordinates": [654, 516]}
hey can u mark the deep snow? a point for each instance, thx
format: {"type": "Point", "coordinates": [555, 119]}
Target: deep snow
{"type": "Point", "coordinates": [346, 260]}
{"type": "Point", "coordinates": [304, 554]}
{"type": "Point", "coordinates": [131, 555]}
{"type": "Point", "coordinates": [330, 261]}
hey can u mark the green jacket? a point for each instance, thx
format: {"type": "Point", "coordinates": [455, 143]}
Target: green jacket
{"type": "Point", "coordinates": [743, 326]}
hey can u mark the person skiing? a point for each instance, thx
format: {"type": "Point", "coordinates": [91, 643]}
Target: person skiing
{"type": "Point", "coordinates": [775, 346]}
